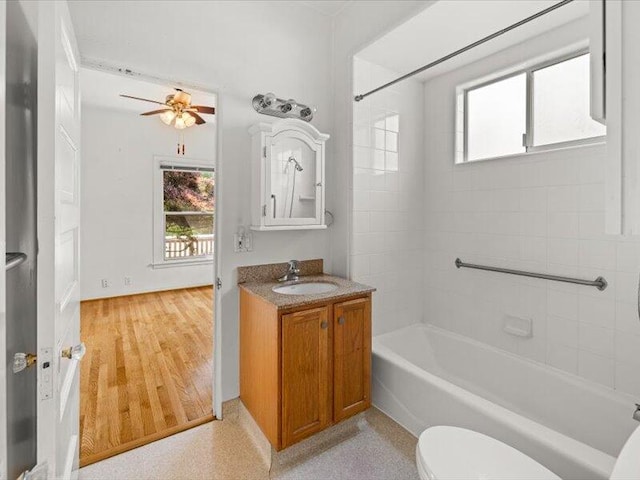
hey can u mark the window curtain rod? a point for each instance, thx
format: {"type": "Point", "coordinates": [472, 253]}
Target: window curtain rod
{"type": "Point", "coordinates": [550, 9]}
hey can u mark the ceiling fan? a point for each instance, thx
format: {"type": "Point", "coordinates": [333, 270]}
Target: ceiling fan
{"type": "Point", "coordinates": [177, 110]}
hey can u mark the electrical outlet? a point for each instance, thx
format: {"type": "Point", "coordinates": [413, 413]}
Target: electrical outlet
{"type": "Point", "coordinates": [105, 283]}
{"type": "Point", "coordinates": [248, 242]}
{"type": "Point", "coordinates": [127, 281]}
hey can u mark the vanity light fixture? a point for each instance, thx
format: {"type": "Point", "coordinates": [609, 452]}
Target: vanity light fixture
{"type": "Point", "coordinates": [269, 104]}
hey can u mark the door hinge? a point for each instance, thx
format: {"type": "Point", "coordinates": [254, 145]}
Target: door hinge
{"type": "Point", "coordinates": [218, 283]}
{"type": "Point", "coordinates": [264, 210]}
{"type": "Point", "coordinates": [264, 152]}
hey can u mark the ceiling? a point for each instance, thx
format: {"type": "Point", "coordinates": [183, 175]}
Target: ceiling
{"type": "Point", "coordinates": [448, 25]}
{"type": "Point", "coordinates": [326, 7]}
{"type": "Point", "coordinates": [103, 89]}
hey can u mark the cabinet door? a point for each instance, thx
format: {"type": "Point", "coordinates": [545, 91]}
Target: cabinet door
{"type": "Point", "coordinates": [305, 374]}
{"type": "Point", "coordinates": [352, 357]}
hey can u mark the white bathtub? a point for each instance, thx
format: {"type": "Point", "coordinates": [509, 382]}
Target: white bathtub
{"type": "Point", "coordinates": [425, 376]}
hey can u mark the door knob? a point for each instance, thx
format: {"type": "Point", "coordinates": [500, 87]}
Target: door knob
{"type": "Point", "coordinates": [323, 325]}
{"type": "Point", "coordinates": [75, 353]}
{"type": "Point", "coordinates": [23, 360]}
{"type": "Point", "coordinates": [340, 320]}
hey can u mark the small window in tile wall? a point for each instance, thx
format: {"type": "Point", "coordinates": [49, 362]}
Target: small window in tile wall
{"type": "Point", "coordinates": [539, 108]}
{"type": "Point", "coordinates": [385, 141]}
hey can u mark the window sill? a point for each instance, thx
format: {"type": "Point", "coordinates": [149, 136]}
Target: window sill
{"type": "Point", "coordinates": [182, 263]}
{"type": "Point", "coordinates": [550, 149]}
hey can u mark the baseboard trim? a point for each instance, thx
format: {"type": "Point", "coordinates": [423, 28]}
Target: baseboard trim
{"type": "Point", "coordinates": [146, 292]}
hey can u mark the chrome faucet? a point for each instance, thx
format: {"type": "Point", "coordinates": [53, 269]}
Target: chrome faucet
{"type": "Point", "coordinates": [292, 272]}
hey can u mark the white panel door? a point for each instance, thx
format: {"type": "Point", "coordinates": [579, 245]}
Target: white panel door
{"type": "Point", "coordinates": [59, 236]}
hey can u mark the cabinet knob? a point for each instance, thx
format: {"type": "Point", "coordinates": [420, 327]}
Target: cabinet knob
{"type": "Point", "coordinates": [324, 324]}
{"type": "Point", "coordinates": [340, 320]}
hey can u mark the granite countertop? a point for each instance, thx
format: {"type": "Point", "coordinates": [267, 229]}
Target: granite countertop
{"type": "Point", "coordinates": [346, 288]}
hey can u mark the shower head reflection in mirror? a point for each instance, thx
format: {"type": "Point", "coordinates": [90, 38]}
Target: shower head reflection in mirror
{"type": "Point", "coordinates": [293, 160]}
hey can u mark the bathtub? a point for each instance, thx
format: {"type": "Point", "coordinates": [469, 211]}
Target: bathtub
{"type": "Point", "coordinates": [425, 376]}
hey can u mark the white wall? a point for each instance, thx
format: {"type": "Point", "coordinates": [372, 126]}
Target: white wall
{"type": "Point", "coordinates": [542, 212]}
{"type": "Point", "coordinates": [234, 47]}
{"type": "Point", "coordinates": [359, 24]}
{"type": "Point", "coordinates": [118, 149]}
{"type": "Point", "coordinates": [388, 196]}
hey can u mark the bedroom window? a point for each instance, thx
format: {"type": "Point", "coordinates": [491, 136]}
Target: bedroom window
{"type": "Point", "coordinates": [539, 108]}
{"type": "Point", "coordinates": [184, 212]}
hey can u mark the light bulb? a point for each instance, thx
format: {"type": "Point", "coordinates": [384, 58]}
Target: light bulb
{"type": "Point", "coordinates": [290, 105]}
{"type": "Point", "coordinates": [167, 117]}
{"type": "Point", "coordinates": [189, 120]}
{"type": "Point", "coordinates": [180, 123]}
{"type": "Point", "coordinates": [267, 100]}
{"type": "Point", "coordinates": [308, 112]}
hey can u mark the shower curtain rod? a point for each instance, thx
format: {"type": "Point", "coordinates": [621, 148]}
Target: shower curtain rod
{"type": "Point", "coordinates": [550, 9]}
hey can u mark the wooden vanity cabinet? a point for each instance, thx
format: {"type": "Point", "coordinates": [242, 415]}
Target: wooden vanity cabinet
{"type": "Point", "coordinates": [306, 368]}
{"type": "Point", "coordinates": [305, 373]}
{"type": "Point", "coordinates": [351, 357]}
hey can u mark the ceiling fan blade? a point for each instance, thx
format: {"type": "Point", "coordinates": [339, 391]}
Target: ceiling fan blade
{"type": "Point", "coordinates": [155, 112]}
{"type": "Point", "coordinates": [199, 119]}
{"type": "Point", "coordinates": [204, 109]}
{"type": "Point", "coordinates": [143, 99]}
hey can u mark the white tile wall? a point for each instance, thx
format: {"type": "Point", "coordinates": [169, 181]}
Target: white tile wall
{"type": "Point", "coordinates": [387, 238]}
{"type": "Point", "coordinates": [544, 212]}
{"type": "Point", "coordinates": [412, 206]}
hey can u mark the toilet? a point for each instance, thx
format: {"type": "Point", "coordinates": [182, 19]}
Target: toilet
{"type": "Point", "coordinates": [453, 453]}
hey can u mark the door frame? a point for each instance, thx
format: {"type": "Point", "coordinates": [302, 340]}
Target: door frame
{"type": "Point", "coordinates": [46, 301]}
{"type": "Point", "coordinates": [106, 67]}
{"type": "Point", "coordinates": [3, 284]}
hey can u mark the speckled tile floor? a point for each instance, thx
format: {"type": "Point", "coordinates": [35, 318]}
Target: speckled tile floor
{"type": "Point", "coordinates": [374, 448]}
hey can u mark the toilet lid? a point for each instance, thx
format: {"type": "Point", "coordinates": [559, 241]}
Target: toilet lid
{"type": "Point", "coordinates": [452, 453]}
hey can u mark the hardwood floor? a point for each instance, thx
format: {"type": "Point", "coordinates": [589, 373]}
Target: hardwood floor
{"type": "Point", "coordinates": [147, 373]}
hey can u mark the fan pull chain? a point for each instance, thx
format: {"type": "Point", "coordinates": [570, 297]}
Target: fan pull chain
{"type": "Point", "coordinates": [181, 149]}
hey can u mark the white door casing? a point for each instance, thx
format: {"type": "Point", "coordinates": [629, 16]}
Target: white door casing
{"type": "Point", "coordinates": [3, 365]}
{"type": "Point", "coordinates": [58, 238]}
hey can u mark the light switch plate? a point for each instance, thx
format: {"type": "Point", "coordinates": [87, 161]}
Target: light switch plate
{"type": "Point", "coordinates": [243, 242]}
{"type": "Point", "coordinates": [238, 243]}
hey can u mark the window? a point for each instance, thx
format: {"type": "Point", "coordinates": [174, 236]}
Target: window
{"type": "Point", "coordinates": [184, 231]}
{"type": "Point", "coordinates": [533, 109]}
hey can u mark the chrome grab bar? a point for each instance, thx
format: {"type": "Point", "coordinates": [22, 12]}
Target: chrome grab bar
{"type": "Point", "coordinates": [13, 259]}
{"type": "Point", "coordinates": [600, 283]}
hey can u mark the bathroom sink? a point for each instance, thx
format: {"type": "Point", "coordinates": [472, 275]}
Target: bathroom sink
{"type": "Point", "coordinates": [308, 288]}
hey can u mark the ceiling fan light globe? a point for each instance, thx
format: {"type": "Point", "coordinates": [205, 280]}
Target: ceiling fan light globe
{"type": "Point", "coordinates": [167, 117]}
{"type": "Point", "coordinates": [180, 123]}
{"type": "Point", "coordinates": [189, 120]}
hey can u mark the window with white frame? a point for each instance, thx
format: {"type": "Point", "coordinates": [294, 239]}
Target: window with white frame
{"type": "Point", "coordinates": [542, 107]}
{"type": "Point", "coordinates": [184, 212]}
